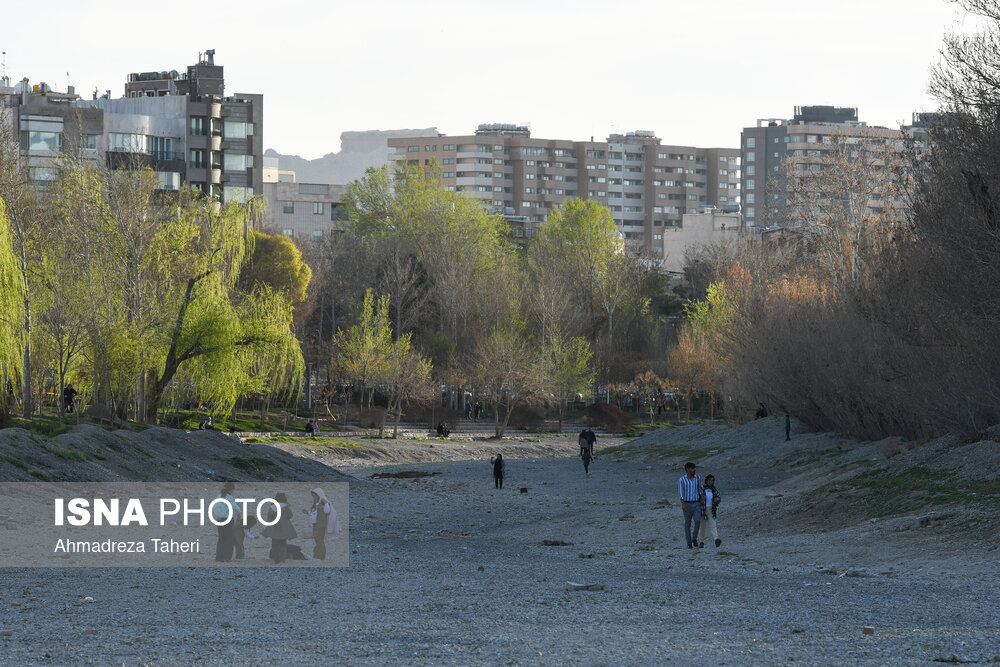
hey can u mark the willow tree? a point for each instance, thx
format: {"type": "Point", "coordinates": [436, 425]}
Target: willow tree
{"type": "Point", "coordinates": [10, 307]}
{"type": "Point", "coordinates": [224, 341]}
{"type": "Point", "coordinates": [24, 229]}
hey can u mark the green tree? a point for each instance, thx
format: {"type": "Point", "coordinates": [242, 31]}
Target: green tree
{"type": "Point", "coordinates": [406, 376]}
{"type": "Point", "coordinates": [25, 231]}
{"type": "Point", "coordinates": [10, 307]}
{"type": "Point", "coordinates": [276, 261]}
{"type": "Point", "coordinates": [363, 349]}
{"type": "Point", "coordinates": [569, 364]}
{"type": "Point", "coordinates": [582, 239]}
{"type": "Point", "coordinates": [509, 374]}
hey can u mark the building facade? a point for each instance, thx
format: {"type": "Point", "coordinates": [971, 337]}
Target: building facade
{"type": "Point", "coordinates": [304, 211]}
{"type": "Point", "coordinates": [647, 186]}
{"type": "Point", "coordinates": [804, 141]}
{"type": "Point", "coordinates": [182, 126]}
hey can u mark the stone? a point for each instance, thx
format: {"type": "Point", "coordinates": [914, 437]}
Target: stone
{"type": "Point", "coordinates": [573, 586]}
{"type": "Point", "coordinates": [868, 630]}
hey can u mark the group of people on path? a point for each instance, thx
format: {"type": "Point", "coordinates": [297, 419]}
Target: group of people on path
{"type": "Point", "coordinates": [323, 522]}
{"type": "Point", "coordinates": [699, 502]}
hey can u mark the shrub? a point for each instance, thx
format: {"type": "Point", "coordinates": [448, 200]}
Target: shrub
{"type": "Point", "coordinates": [527, 417]}
{"type": "Point", "coordinates": [607, 416]}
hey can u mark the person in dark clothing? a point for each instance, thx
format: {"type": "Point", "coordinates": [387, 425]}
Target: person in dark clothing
{"type": "Point", "coordinates": [69, 395]}
{"type": "Point", "coordinates": [280, 532]}
{"type": "Point", "coordinates": [499, 469]}
{"type": "Point", "coordinates": [788, 427]}
{"type": "Point", "coordinates": [226, 545]}
{"type": "Point", "coordinates": [442, 430]}
{"type": "Point", "coordinates": [478, 409]}
{"type": "Point", "coordinates": [586, 456]}
{"type": "Point", "coordinates": [761, 411]}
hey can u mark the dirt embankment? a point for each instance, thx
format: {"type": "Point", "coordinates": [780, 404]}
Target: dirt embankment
{"type": "Point", "coordinates": [832, 481]}
{"type": "Point", "coordinates": [90, 453]}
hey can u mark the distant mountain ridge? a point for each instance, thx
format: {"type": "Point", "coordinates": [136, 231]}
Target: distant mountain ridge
{"type": "Point", "coordinates": [358, 151]}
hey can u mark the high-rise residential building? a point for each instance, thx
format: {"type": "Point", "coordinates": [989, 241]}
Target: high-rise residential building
{"type": "Point", "coordinates": [183, 126]}
{"type": "Point", "coordinates": [647, 186]}
{"type": "Point", "coordinates": [806, 139]}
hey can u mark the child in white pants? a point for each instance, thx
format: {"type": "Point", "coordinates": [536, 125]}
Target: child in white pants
{"type": "Point", "coordinates": [710, 501]}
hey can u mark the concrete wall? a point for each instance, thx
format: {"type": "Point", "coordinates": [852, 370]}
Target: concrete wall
{"type": "Point", "coordinates": [697, 230]}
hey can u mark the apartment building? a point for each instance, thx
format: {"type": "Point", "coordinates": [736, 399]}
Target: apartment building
{"type": "Point", "coordinates": [647, 186]}
{"type": "Point", "coordinates": [304, 211]}
{"type": "Point", "coordinates": [181, 126]}
{"type": "Point", "coordinates": [802, 142]}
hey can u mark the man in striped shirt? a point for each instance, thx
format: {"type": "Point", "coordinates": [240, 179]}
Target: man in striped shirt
{"type": "Point", "coordinates": [689, 490]}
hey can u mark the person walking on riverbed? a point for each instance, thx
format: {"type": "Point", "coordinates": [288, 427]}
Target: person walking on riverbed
{"type": "Point", "coordinates": [689, 490]}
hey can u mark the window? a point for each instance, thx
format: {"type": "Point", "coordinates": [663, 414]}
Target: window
{"type": "Point", "coordinates": [44, 141]}
{"type": "Point", "coordinates": [317, 208]}
{"type": "Point", "coordinates": [751, 170]}
{"type": "Point", "coordinates": [168, 180]}
{"type": "Point", "coordinates": [317, 234]}
{"type": "Point", "coordinates": [236, 162]}
{"type": "Point", "coordinates": [287, 231]}
{"type": "Point", "coordinates": [751, 184]}
{"type": "Point", "coordinates": [427, 148]}
{"type": "Point", "coordinates": [42, 173]}
{"type": "Point", "coordinates": [235, 193]}
{"type": "Point", "coordinates": [288, 207]}
{"type": "Point", "coordinates": [119, 142]}
{"type": "Point", "coordinates": [448, 160]}
{"type": "Point", "coordinates": [161, 148]}
{"type": "Point", "coordinates": [751, 142]}
{"type": "Point", "coordinates": [750, 211]}
{"type": "Point", "coordinates": [88, 142]}
{"type": "Point", "coordinates": [197, 159]}
{"type": "Point", "coordinates": [197, 126]}
{"type": "Point", "coordinates": [751, 156]}
{"type": "Point", "coordinates": [216, 127]}
{"type": "Point", "coordinates": [750, 198]}
{"type": "Point", "coordinates": [448, 147]}
{"type": "Point", "coordinates": [412, 149]}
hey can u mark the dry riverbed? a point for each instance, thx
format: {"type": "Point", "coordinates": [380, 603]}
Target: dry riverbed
{"type": "Point", "coordinates": [445, 569]}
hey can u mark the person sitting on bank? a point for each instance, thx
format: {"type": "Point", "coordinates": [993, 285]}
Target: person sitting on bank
{"type": "Point", "coordinates": [442, 430]}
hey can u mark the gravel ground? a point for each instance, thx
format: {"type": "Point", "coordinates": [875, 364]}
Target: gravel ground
{"type": "Point", "coordinates": [447, 570]}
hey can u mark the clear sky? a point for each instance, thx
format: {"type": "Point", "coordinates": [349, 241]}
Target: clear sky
{"type": "Point", "coordinates": [695, 72]}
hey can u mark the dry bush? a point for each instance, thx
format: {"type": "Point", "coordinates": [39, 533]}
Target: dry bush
{"type": "Point", "coordinates": [607, 416]}
{"type": "Point", "coordinates": [891, 449]}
